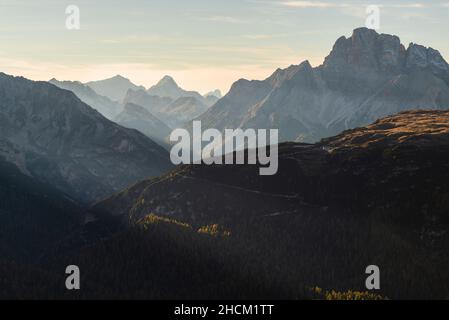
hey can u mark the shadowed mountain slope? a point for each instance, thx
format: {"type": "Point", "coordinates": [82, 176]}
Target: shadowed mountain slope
{"type": "Point", "coordinates": [137, 117]}
{"type": "Point", "coordinates": [104, 105]}
{"type": "Point", "coordinates": [49, 134]}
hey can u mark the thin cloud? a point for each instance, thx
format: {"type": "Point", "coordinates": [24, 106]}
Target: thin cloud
{"type": "Point", "coordinates": [262, 36]}
{"type": "Point", "coordinates": [137, 39]}
{"type": "Point", "coordinates": [325, 5]}
{"type": "Point", "coordinates": [225, 19]}
{"type": "Point", "coordinates": [312, 4]}
{"type": "Point", "coordinates": [410, 5]}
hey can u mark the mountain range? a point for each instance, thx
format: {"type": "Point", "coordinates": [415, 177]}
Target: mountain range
{"type": "Point", "coordinates": [165, 100]}
{"type": "Point", "coordinates": [114, 88]}
{"type": "Point", "coordinates": [170, 103]}
{"type": "Point", "coordinates": [364, 78]}
{"type": "Point", "coordinates": [374, 194]}
{"type": "Point", "coordinates": [51, 135]}
{"type": "Point", "coordinates": [372, 188]}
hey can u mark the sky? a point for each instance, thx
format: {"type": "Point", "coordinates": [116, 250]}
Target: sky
{"type": "Point", "coordinates": [203, 44]}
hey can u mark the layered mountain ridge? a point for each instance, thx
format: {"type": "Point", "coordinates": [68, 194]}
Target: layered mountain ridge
{"type": "Point", "coordinates": [170, 103]}
{"type": "Point", "coordinates": [139, 118]}
{"type": "Point", "coordinates": [51, 135]}
{"type": "Point", "coordinates": [114, 88]}
{"type": "Point", "coordinates": [104, 105]}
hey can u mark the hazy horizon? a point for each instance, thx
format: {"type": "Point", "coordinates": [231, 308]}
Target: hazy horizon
{"type": "Point", "coordinates": [203, 45]}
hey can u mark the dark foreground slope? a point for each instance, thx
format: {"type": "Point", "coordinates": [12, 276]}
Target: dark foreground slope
{"type": "Point", "coordinates": [34, 219]}
{"type": "Point", "coordinates": [33, 216]}
{"type": "Point", "coordinates": [374, 195]}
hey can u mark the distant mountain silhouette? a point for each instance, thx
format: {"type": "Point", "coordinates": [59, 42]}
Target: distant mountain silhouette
{"type": "Point", "coordinates": [213, 96]}
{"type": "Point", "coordinates": [173, 105]}
{"type": "Point", "coordinates": [215, 93]}
{"type": "Point", "coordinates": [167, 87]}
{"type": "Point", "coordinates": [114, 88]}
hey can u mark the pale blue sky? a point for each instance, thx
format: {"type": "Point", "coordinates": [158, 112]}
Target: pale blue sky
{"type": "Point", "coordinates": [203, 44]}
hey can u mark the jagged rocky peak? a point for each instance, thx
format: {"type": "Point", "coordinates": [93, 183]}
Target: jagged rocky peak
{"type": "Point", "coordinates": [304, 68]}
{"type": "Point", "coordinates": [368, 49]}
{"type": "Point", "coordinates": [420, 57]}
{"type": "Point", "coordinates": [239, 85]}
{"type": "Point", "coordinates": [119, 77]}
{"type": "Point", "coordinates": [167, 81]}
{"type": "Point", "coordinates": [280, 75]}
{"type": "Point", "coordinates": [167, 87]}
{"type": "Point", "coordinates": [244, 89]}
